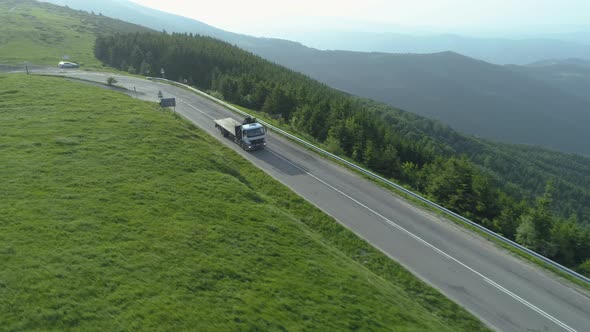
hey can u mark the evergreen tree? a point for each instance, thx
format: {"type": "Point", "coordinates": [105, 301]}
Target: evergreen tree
{"type": "Point", "coordinates": [526, 233]}
{"type": "Point", "coordinates": [584, 268]}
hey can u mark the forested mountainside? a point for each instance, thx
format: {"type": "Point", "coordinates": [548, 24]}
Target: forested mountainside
{"type": "Point", "coordinates": [472, 96]}
{"type": "Point", "coordinates": [421, 153]}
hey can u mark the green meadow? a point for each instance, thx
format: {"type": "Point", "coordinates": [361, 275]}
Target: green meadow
{"type": "Point", "coordinates": [41, 33]}
{"type": "Point", "coordinates": [117, 215]}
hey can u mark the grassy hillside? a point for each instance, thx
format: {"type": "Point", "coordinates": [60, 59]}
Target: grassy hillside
{"type": "Point", "coordinates": [133, 12]}
{"type": "Point", "coordinates": [42, 33]}
{"type": "Point", "coordinates": [116, 215]}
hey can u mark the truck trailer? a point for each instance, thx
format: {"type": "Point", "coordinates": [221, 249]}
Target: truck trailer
{"type": "Point", "coordinates": [249, 135]}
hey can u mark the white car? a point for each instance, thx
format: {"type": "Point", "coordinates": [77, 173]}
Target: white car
{"type": "Point", "coordinates": [66, 64]}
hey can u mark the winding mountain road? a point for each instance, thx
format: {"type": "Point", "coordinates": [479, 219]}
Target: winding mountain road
{"type": "Point", "coordinates": [504, 291]}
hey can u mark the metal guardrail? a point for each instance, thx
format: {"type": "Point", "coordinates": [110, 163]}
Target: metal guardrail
{"type": "Point", "coordinates": [394, 185]}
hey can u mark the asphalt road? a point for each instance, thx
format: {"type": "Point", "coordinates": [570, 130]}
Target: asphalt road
{"type": "Point", "coordinates": [505, 292]}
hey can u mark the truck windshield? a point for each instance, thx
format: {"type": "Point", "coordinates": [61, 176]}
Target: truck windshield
{"type": "Point", "coordinates": [254, 132]}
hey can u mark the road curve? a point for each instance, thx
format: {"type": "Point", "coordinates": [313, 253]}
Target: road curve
{"type": "Point", "coordinates": [504, 291]}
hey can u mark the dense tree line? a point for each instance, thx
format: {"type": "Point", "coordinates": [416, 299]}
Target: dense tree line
{"type": "Point", "coordinates": [478, 179]}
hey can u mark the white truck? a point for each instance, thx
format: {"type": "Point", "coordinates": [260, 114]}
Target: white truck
{"type": "Point", "coordinates": [249, 135]}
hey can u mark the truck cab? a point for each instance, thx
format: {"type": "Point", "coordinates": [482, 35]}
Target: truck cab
{"type": "Point", "coordinates": [253, 136]}
{"type": "Point", "coordinates": [249, 134]}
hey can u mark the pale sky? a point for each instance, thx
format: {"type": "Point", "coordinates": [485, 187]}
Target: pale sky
{"type": "Point", "coordinates": [250, 16]}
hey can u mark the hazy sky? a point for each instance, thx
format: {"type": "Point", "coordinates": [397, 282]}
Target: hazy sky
{"type": "Point", "coordinates": [255, 16]}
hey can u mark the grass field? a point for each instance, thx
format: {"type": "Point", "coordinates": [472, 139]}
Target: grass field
{"type": "Point", "coordinates": [115, 215]}
{"type": "Point", "coordinates": [41, 33]}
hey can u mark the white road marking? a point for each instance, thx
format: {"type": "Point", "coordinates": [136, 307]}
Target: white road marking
{"type": "Point", "coordinates": [198, 110]}
{"type": "Point", "coordinates": [571, 289]}
{"type": "Point", "coordinates": [488, 280]}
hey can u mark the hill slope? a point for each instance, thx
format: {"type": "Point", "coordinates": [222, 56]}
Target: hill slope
{"type": "Point", "coordinates": [117, 215]}
{"type": "Point", "coordinates": [144, 16]}
{"type": "Point", "coordinates": [42, 33]}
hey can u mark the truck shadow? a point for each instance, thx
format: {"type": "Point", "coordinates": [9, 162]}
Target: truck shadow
{"type": "Point", "coordinates": [279, 162]}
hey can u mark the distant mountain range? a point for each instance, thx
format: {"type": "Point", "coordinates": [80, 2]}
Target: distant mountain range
{"type": "Point", "coordinates": [568, 61]}
{"type": "Point", "coordinates": [570, 75]}
{"type": "Point", "coordinates": [519, 104]}
{"type": "Point", "coordinates": [495, 50]}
